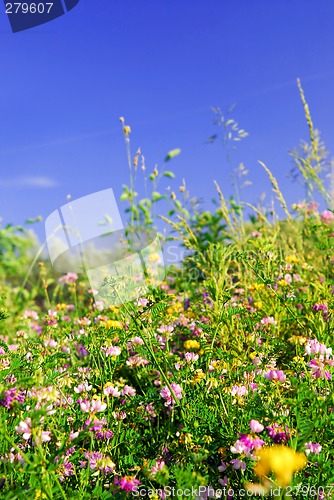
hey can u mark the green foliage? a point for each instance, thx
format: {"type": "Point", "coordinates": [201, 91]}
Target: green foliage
{"type": "Point", "coordinates": [172, 154]}
{"type": "Point", "coordinates": [3, 314]}
{"type": "Point", "coordinates": [14, 251]}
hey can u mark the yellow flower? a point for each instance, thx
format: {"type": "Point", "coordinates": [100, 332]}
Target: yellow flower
{"type": "Point", "coordinates": [61, 307]}
{"type": "Point", "coordinates": [186, 438]}
{"type": "Point", "coordinates": [106, 462]}
{"type": "Point", "coordinates": [191, 344]}
{"type": "Point", "coordinates": [207, 439]}
{"type": "Point", "coordinates": [212, 383]}
{"type": "Point", "coordinates": [112, 323]}
{"type": "Point", "coordinates": [297, 339]}
{"type": "Point", "coordinates": [235, 363]}
{"type": "Point", "coordinates": [224, 367]}
{"type": "Point", "coordinates": [291, 259]}
{"type": "Point", "coordinates": [280, 460]}
{"type": "Point", "coordinates": [282, 283]}
{"type": "Point", "coordinates": [198, 377]}
{"type": "Point", "coordinates": [177, 307]}
{"type": "Point", "coordinates": [39, 495]}
{"type": "Point", "coordinates": [126, 130]}
{"type": "Point", "coordinates": [113, 309]}
{"type": "Point", "coordinates": [154, 257]}
{"type": "Point", "coordinates": [258, 304]}
{"type": "Point", "coordinates": [190, 314]}
{"type": "Point", "coordinates": [307, 266]}
{"type": "Point", "coordinates": [256, 286]}
{"type": "Point", "coordinates": [66, 382]}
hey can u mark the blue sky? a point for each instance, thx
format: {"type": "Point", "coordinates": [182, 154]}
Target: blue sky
{"type": "Point", "coordinates": [162, 65]}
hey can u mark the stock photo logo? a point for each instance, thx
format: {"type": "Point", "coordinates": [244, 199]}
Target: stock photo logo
{"type": "Point", "coordinates": [87, 236]}
{"type": "Point", "coordinates": [25, 15]}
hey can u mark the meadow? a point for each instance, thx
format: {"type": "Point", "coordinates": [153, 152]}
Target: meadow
{"type": "Point", "coordinates": [217, 383]}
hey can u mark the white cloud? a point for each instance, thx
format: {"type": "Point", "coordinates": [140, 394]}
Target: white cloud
{"type": "Point", "coordinates": [29, 181]}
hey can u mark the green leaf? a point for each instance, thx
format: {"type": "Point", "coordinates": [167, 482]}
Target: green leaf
{"type": "Point", "coordinates": [172, 154]}
{"type": "Point", "coordinates": [3, 313]}
{"type": "Point", "coordinates": [145, 202]}
{"type": "Point", "coordinates": [169, 174]}
{"type": "Point", "coordinates": [156, 196]}
{"type": "Point", "coordinates": [32, 221]}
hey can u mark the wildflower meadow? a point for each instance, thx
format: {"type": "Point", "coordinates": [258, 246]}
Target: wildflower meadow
{"type": "Point", "coordinates": [217, 382]}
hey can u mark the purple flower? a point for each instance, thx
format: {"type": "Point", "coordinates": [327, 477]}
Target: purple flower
{"type": "Point", "coordinates": [112, 391]}
{"type": "Point", "coordinates": [256, 426]}
{"type": "Point", "coordinates": [327, 216]}
{"type": "Point", "coordinates": [237, 464]}
{"type": "Point", "coordinates": [312, 448]}
{"type": "Point", "coordinates": [268, 320]}
{"type": "Point", "coordinates": [127, 483]}
{"type": "Point", "coordinates": [69, 278]}
{"type": "Point", "coordinates": [246, 443]}
{"type": "Point", "coordinates": [128, 391]}
{"type": "Point", "coordinates": [191, 357]}
{"type": "Point", "coordinates": [278, 375]}
{"type": "Point", "coordinates": [28, 314]}
{"type": "Point", "coordinates": [97, 461]}
{"type": "Point", "coordinates": [239, 390]}
{"type": "Point", "coordinates": [320, 307]}
{"type": "Point", "coordinates": [166, 394]}
{"type": "Point", "coordinates": [11, 396]}
{"type": "Point", "coordinates": [81, 350]}
{"type": "Point", "coordinates": [158, 466]}
{"type": "Point", "coordinates": [313, 346]}
{"type": "Point", "coordinates": [112, 350]}
{"type": "Point", "coordinates": [104, 434]}
{"type": "Point", "coordinates": [66, 469]}
{"type": "Point", "coordinates": [222, 467]}
{"type": "Point", "coordinates": [24, 428]}
{"type": "Point", "coordinates": [318, 368]}
{"type": "Point", "coordinates": [278, 434]}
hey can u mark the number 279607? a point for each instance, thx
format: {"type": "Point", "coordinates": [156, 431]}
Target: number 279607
{"type": "Point", "coordinates": [31, 8]}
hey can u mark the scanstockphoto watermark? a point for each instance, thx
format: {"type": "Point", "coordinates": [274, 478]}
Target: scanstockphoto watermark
{"type": "Point", "coordinates": [195, 493]}
{"type": "Point", "coordinates": [205, 492]}
{"type": "Point", "coordinates": [87, 236]}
